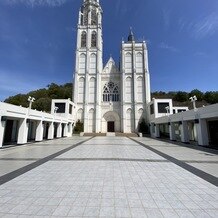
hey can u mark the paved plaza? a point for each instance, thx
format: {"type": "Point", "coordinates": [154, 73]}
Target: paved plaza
{"type": "Point", "coordinates": [108, 177]}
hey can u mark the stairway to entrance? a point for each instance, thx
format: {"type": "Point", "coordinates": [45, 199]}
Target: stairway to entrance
{"type": "Point", "coordinates": [120, 134]}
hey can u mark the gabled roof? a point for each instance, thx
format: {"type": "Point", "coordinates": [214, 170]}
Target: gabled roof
{"type": "Point", "coordinates": [110, 67]}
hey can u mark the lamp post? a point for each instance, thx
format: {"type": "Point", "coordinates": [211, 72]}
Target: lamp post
{"type": "Point", "coordinates": [193, 100]}
{"type": "Point", "coordinates": [31, 100]}
{"type": "Point", "coordinates": [168, 110]}
{"type": "Point", "coordinates": [56, 109]}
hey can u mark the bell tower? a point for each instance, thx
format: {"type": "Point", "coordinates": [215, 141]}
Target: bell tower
{"type": "Point", "coordinates": [89, 65]}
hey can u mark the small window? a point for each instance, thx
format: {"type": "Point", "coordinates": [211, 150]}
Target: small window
{"type": "Point", "coordinates": [94, 40]}
{"type": "Point", "coordinates": [94, 16]}
{"type": "Point", "coordinates": [83, 40]}
{"type": "Point", "coordinates": [61, 107]}
{"type": "Point", "coordinates": [162, 108]}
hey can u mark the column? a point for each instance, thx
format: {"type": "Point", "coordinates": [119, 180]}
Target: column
{"type": "Point", "coordinates": [153, 130]}
{"type": "Point", "coordinates": [71, 127]}
{"type": "Point", "coordinates": [22, 132]}
{"type": "Point", "coordinates": [184, 132]}
{"type": "Point", "coordinates": [51, 130]}
{"type": "Point", "coordinates": [59, 130]}
{"type": "Point", "coordinates": [172, 132]}
{"type": "Point", "coordinates": [2, 130]}
{"type": "Point", "coordinates": [157, 131]}
{"type": "Point", "coordinates": [39, 131]}
{"type": "Point", "coordinates": [65, 129]}
{"type": "Point", "coordinates": [202, 132]}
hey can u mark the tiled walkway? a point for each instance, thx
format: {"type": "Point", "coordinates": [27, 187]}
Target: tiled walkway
{"type": "Point", "coordinates": [109, 177]}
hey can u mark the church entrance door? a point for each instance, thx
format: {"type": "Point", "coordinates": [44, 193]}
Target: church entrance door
{"type": "Point", "coordinates": [110, 126]}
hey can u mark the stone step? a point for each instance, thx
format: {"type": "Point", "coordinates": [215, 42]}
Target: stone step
{"type": "Point", "coordinates": [111, 134]}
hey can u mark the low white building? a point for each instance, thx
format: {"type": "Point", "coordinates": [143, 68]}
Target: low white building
{"type": "Point", "coordinates": [19, 125]}
{"type": "Point", "coordinates": [199, 125]}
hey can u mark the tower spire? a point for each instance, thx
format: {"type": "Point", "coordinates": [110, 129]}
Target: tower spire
{"type": "Point", "coordinates": [131, 37]}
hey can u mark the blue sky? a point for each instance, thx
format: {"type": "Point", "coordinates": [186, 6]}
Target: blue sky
{"type": "Point", "coordinates": [38, 38]}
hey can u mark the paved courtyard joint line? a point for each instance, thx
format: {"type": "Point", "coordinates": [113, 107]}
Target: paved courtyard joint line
{"type": "Point", "coordinates": [9, 176]}
{"type": "Point", "coordinates": [207, 177]}
{"type": "Point", "coordinates": [108, 177]}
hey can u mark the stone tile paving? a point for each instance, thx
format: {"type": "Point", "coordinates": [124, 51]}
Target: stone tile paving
{"type": "Point", "coordinates": [16, 157]}
{"type": "Point", "coordinates": [204, 160]}
{"type": "Point", "coordinates": [69, 186]}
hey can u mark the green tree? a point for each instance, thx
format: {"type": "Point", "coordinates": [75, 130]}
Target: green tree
{"type": "Point", "coordinates": [18, 100]}
{"type": "Point", "coordinates": [181, 96]}
{"type": "Point", "coordinates": [197, 93]}
{"type": "Point", "coordinates": [211, 97]}
{"type": "Point", "coordinates": [78, 127]}
{"type": "Point", "coordinates": [42, 104]}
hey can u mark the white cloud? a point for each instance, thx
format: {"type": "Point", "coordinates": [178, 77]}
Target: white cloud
{"type": "Point", "coordinates": [205, 27]}
{"type": "Point", "coordinates": [165, 46]}
{"type": "Point", "coordinates": [33, 3]}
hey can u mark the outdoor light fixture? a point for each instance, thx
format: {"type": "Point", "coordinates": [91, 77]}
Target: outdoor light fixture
{"type": "Point", "coordinates": [31, 100]}
{"type": "Point", "coordinates": [193, 100]}
{"type": "Point", "coordinates": [168, 110]}
{"type": "Point", "coordinates": [56, 109]}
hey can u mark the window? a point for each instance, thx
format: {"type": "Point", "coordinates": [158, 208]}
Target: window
{"type": "Point", "coordinates": [61, 107]}
{"type": "Point", "coordinates": [162, 108]}
{"type": "Point", "coordinates": [93, 64]}
{"type": "Point", "coordinates": [94, 39]}
{"type": "Point", "coordinates": [129, 121]}
{"type": "Point", "coordinates": [111, 93]}
{"type": "Point", "coordinates": [128, 63]}
{"type": "Point", "coordinates": [82, 63]}
{"type": "Point", "coordinates": [94, 20]}
{"type": "Point", "coordinates": [139, 63]}
{"type": "Point", "coordinates": [140, 89]}
{"type": "Point", "coordinates": [83, 40]}
{"type": "Point", "coordinates": [80, 115]}
{"type": "Point", "coordinates": [81, 90]}
{"type": "Point", "coordinates": [92, 90]}
{"type": "Point", "coordinates": [129, 93]}
{"type": "Point", "coordinates": [85, 16]}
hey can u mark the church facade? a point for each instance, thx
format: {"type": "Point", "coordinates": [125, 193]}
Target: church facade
{"type": "Point", "coordinates": [109, 98]}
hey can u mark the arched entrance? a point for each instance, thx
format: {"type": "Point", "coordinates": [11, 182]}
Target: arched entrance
{"type": "Point", "coordinates": [111, 122]}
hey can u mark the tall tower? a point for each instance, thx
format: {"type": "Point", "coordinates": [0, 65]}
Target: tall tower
{"type": "Point", "coordinates": [135, 83]}
{"type": "Point", "coordinates": [89, 65]}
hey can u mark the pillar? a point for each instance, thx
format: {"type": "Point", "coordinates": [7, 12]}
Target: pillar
{"type": "Point", "coordinates": [202, 132]}
{"type": "Point", "coordinates": [59, 130]}
{"type": "Point", "coordinates": [39, 131]}
{"type": "Point", "coordinates": [51, 130]}
{"type": "Point", "coordinates": [157, 131]}
{"type": "Point", "coordinates": [184, 132]}
{"type": "Point", "coordinates": [65, 130]}
{"type": "Point", "coordinates": [172, 132]}
{"type": "Point", "coordinates": [152, 130]}
{"type": "Point", "coordinates": [2, 131]}
{"type": "Point", "coordinates": [70, 129]}
{"type": "Point", "coordinates": [22, 132]}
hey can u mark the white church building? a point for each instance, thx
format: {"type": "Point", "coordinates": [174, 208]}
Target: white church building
{"type": "Point", "coordinates": [109, 98]}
